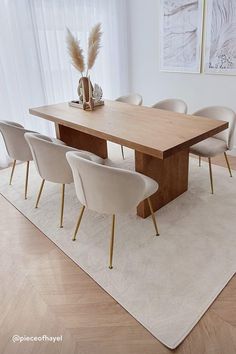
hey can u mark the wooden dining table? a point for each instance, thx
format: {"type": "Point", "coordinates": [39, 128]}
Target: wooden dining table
{"type": "Point", "coordinates": [161, 139]}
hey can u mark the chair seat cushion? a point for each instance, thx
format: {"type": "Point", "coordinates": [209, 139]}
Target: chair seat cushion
{"type": "Point", "coordinates": [209, 147]}
{"type": "Point", "coordinates": [151, 186]}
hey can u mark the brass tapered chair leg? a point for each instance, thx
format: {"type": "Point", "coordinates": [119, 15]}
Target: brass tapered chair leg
{"type": "Point", "coordinates": [112, 241]}
{"type": "Point", "coordinates": [12, 171]}
{"type": "Point", "coordinates": [122, 151]}
{"type": "Point", "coordinates": [153, 216]}
{"type": "Point", "coordinates": [40, 192]}
{"type": "Point", "coordinates": [228, 165]}
{"type": "Point", "coordinates": [62, 205]}
{"type": "Point", "coordinates": [78, 223]}
{"type": "Point", "coordinates": [27, 178]}
{"type": "Point", "coordinates": [211, 177]}
{"type": "Point", "coordinates": [199, 161]}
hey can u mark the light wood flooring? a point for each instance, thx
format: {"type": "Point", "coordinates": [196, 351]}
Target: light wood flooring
{"type": "Point", "coordinates": [43, 292]}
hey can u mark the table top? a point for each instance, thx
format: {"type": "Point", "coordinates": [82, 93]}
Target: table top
{"type": "Point", "coordinates": [149, 130]}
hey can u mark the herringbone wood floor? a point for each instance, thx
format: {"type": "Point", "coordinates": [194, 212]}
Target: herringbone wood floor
{"type": "Point", "coordinates": [43, 292]}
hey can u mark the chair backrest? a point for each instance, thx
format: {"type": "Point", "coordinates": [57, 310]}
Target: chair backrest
{"type": "Point", "coordinates": [50, 158]}
{"type": "Point", "coordinates": [105, 189]}
{"type": "Point", "coordinates": [16, 145]}
{"type": "Point", "coordinates": [221, 113]}
{"type": "Point", "coordinates": [172, 104]}
{"type": "Point", "coordinates": [134, 99]}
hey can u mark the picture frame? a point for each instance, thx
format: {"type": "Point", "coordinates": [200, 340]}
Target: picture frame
{"type": "Point", "coordinates": [220, 37]}
{"type": "Point", "coordinates": [181, 45]}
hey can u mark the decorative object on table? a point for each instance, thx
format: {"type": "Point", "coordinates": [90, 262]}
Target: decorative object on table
{"type": "Point", "coordinates": [220, 46]}
{"type": "Point", "coordinates": [96, 94]}
{"type": "Point", "coordinates": [89, 95]}
{"type": "Point", "coordinates": [181, 35]}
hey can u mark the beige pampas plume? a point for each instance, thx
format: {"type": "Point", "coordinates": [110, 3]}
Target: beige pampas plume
{"type": "Point", "coordinates": [75, 51]}
{"type": "Point", "coordinates": [94, 44]}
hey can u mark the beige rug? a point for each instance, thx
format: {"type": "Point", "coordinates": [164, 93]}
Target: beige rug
{"type": "Point", "coordinates": [166, 282]}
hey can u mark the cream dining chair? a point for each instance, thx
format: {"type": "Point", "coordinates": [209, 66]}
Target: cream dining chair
{"type": "Point", "coordinates": [109, 190]}
{"type": "Point", "coordinates": [172, 104]}
{"type": "Point", "coordinates": [134, 99]}
{"type": "Point", "coordinates": [50, 159]}
{"type": "Point", "coordinates": [17, 147]}
{"type": "Point", "coordinates": [218, 144]}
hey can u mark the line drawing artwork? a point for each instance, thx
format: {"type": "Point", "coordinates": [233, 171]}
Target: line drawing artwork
{"type": "Point", "coordinates": [220, 49]}
{"type": "Point", "coordinates": [181, 35]}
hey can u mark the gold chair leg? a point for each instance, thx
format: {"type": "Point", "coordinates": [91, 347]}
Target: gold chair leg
{"type": "Point", "coordinates": [153, 216]}
{"type": "Point", "coordinates": [228, 165]}
{"type": "Point", "coordinates": [27, 178]}
{"type": "Point", "coordinates": [112, 241]}
{"type": "Point", "coordinates": [199, 161]}
{"type": "Point", "coordinates": [40, 192]}
{"type": "Point", "coordinates": [78, 223]}
{"type": "Point", "coordinates": [12, 171]}
{"type": "Point", "coordinates": [211, 178]}
{"type": "Point", "coordinates": [62, 204]}
{"type": "Point", "coordinates": [122, 151]}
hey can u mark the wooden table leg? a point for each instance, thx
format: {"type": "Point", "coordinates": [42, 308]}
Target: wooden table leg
{"type": "Point", "coordinates": [170, 173]}
{"type": "Point", "coordinates": [83, 141]}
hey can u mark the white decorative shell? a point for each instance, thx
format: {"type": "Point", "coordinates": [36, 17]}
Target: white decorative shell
{"type": "Point", "coordinates": [97, 93]}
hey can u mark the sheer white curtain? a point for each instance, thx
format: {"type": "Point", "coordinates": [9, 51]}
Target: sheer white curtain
{"type": "Point", "coordinates": [35, 67]}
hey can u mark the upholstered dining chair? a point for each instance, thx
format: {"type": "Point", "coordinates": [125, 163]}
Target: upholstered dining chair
{"type": "Point", "coordinates": [134, 99]}
{"type": "Point", "coordinates": [172, 104]}
{"type": "Point", "coordinates": [50, 159]}
{"type": "Point", "coordinates": [109, 190]}
{"type": "Point", "coordinates": [218, 144]}
{"type": "Point", "coordinates": [17, 147]}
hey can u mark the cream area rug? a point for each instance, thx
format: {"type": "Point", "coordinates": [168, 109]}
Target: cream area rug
{"type": "Point", "coordinates": [165, 282]}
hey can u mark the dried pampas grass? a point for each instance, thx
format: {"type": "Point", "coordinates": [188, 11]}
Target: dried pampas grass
{"type": "Point", "coordinates": [76, 52]}
{"type": "Point", "coordinates": [94, 44]}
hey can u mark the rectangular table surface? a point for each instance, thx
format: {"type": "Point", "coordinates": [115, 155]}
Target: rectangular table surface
{"type": "Point", "coordinates": [148, 130]}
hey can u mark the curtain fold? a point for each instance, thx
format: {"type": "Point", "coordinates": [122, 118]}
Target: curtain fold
{"type": "Point", "coordinates": [35, 67]}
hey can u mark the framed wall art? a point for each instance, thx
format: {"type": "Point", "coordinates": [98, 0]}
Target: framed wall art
{"type": "Point", "coordinates": [220, 45]}
{"type": "Point", "coordinates": [181, 35]}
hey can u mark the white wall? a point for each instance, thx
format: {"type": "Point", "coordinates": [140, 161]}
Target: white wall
{"type": "Point", "coordinates": [198, 90]}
